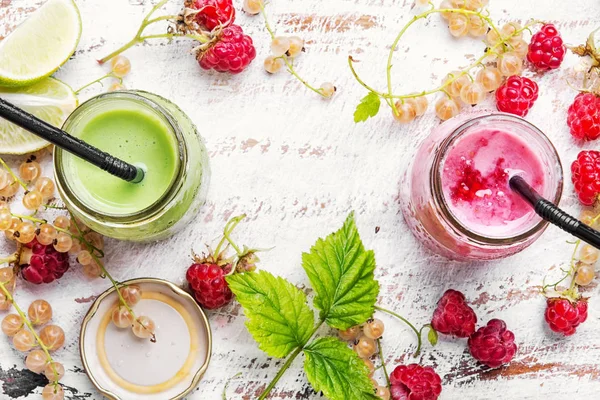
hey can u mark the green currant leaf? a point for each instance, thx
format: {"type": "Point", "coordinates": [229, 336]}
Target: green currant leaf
{"type": "Point", "coordinates": [432, 336]}
{"type": "Point", "coordinates": [278, 317]}
{"type": "Point", "coordinates": [341, 272]}
{"type": "Point", "coordinates": [368, 107]}
{"type": "Point", "coordinates": [333, 368]}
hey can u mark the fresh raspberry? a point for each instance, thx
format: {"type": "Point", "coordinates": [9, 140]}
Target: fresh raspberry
{"type": "Point", "coordinates": [546, 50]}
{"type": "Point", "coordinates": [213, 13]}
{"type": "Point", "coordinates": [516, 95]}
{"type": "Point", "coordinates": [493, 344]}
{"type": "Point", "coordinates": [453, 316]}
{"type": "Point", "coordinates": [414, 382]}
{"type": "Point", "coordinates": [232, 51]}
{"type": "Point", "coordinates": [564, 316]}
{"type": "Point", "coordinates": [584, 117]}
{"type": "Point", "coordinates": [209, 285]}
{"type": "Point", "coordinates": [585, 174]}
{"type": "Point", "coordinates": [42, 264]}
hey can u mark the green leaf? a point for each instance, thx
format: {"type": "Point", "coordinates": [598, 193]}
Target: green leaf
{"type": "Point", "coordinates": [368, 107]}
{"type": "Point", "coordinates": [333, 368]}
{"type": "Point", "coordinates": [432, 336]}
{"type": "Point", "coordinates": [278, 317]}
{"type": "Point", "coordinates": [341, 272]}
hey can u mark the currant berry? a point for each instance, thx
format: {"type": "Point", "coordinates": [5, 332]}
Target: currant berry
{"type": "Point", "coordinates": [54, 371]}
{"type": "Point", "coordinates": [4, 179]}
{"type": "Point", "coordinates": [510, 64]}
{"type": "Point", "coordinates": [350, 334]}
{"type": "Point", "coordinates": [458, 3]}
{"type": "Point", "coordinates": [11, 189]}
{"type": "Point", "coordinates": [445, 5]}
{"type": "Point", "coordinates": [4, 302]}
{"type": "Point", "coordinates": [492, 38]}
{"type": "Point", "coordinates": [63, 242]}
{"type": "Point", "coordinates": [585, 275]}
{"type": "Point", "coordinates": [419, 103]}
{"type": "Point", "coordinates": [374, 328]}
{"type": "Point", "coordinates": [132, 294]}
{"type": "Point", "coordinates": [458, 25]}
{"type": "Point", "coordinates": [252, 7]}
{"type": "Point", "coordinates": [24, 340]}
{"type": "Point", "coordinates": [53, 392]}
{"type": "Point", "coordinates": [490, 78]}
{"type": "Point", "coordinates": [36, 361]}
{"type": "Point", "coordinates": [84, 257]}
{"type": "Point", "coordinates": [120, 65]}
{"type": "Point", "coordinates": [39, 312]}
{"type": "Point", "coordinates": [421, 3]}
{"type": "Point", "coordinates": [458, 80]}
{"type": "Point", "coordinates": [95, 239]}
{"type": "Point", "coordinates": [477, 26]}
{"type": "Point", "coordinates": [11, 324]}
{"type": "Point", "coordinates": [75, 248]}
{"type": "Point", "coordinates": [511, 30]}
{"type": "Point", "coordinates": [327, 89]}
{"type": "Point", "coordinates": [53, 337]}
{"type": "Point", "coordinates": [382, 392]}
{"type": "Point", "coordinates": [520, 47]}
{"type": "Point", "coordinates": [296, 46]}
{"type": "Point", "coordinates": [5, 219]}
{"type": "Point", "coordinates": [46, 234]}
{"type": "Point", "coordinates": [30, 170]}
{"type": "Point", "coordinates": [25, 232]}
{"type": "Point", "coordinates": [62, 222]}
{"type": "Point", "coordinates": [588, 254]}
{"type": "Point", "coordinates": [45, 186]}
{"type": "Point", "coordinates": [273, 64]}
{"type": "Point", "coordinates": [10, 232]}
{"type": "Point", "coordinates": [92, 270]}
{"type": "Point", "coordinates": [587, 217]}
{"type": "Point", "coordinates": [6, 275]}
{"type": "Point", "coordinates": [472, 93]}
{"type": "Point", "coordinates": [476, 4]}
{"type": "Point", "coordinates": [121, 317]}
{"type": "Point", "coordinates": [370, 366]}
{"type": "Point", "coordinates": [365, 347]}
{"type": "Point", "coordinates": [280, 46]}
{"type": "Point", "coordinates": [33, 200]}
{"type": "Point", "coordinates": [446, 108]}
{"type": "Point", "coordinates": [115, 87]}
{"type": "Point", "coordinates": [405, 112]}
{"type": "Point", "coordinates": [144, 327]}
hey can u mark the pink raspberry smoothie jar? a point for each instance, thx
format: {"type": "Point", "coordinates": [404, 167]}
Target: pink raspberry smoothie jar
{"type": "Point", "coordinates": [456, 198]}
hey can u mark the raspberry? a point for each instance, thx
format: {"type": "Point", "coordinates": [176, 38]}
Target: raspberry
{"type": "Point", "coordinates": [232, 52]}
{"type": "Point", "coordinates": [453, 316]}
{"type": "Point", "coordinates": [207, 280]}
{"type": "Point", "coordinates": [585, 174]}
{"type": "Point", "coordinates": [583, 117]}
{"type": "Point", "coordinates": [42, 264]}
{"type": "Point", "coordinates": [516, 95]}
{"type": "Point", "coordinates": [414, 382]}
{"type": "Point", "coordinates": [564, 316]}
{"type": "Point", "coordinates": [493, 345]}
{"type": "Point", "coordinates": [213, 13]}
{"type": "Point", "coordinates": [546, 50]}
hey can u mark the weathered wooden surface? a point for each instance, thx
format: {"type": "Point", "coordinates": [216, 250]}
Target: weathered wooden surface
{"type": "Point", "coordinates": [297, 165]}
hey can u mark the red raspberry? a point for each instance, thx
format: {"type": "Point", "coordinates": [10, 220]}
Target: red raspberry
{"type": "Point", "coordinates": [564, 316]}
{"type": "Point", "coordinates": [546, 50]}
{"type": "Point", "coordinates": [414, 382]}
{"type": "Point", "coordinates": [516, 95]}
{"type": "Point", "coordinates": [493, 344]}
{"type": "Point", "coordinates": [584, 117]}
{"type": "Point", "coordinates": [209, 285]}
{"type": "Point", "coordinates": [453, 316]}
{"type": "Point", "coordinates": [42, 264]}
{"type": "Point", "coordinates": [585, 174]}
{"type": "Point", "coordinates": [214, 13]}
{"type": "Point", "coordinates": [232, 52]}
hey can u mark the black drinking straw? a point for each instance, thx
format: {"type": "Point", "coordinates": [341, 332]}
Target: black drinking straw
{"type": "Point", "coordinates": [73, 145]}
{"type": "Point", "coordinates": [553, 214]}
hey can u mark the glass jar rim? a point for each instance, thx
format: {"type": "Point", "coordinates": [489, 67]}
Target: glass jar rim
{"type": "Point", "coordinates": [176, 182]}
{"type": "Point", "coordinates": [440, 199]}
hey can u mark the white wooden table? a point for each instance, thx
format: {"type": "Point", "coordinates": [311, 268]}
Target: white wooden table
{"type": "Point", "coordinates": [297, 165]}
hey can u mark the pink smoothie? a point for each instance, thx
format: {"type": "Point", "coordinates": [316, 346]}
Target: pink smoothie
{"type": "Point", "coordinates": [475, 177]}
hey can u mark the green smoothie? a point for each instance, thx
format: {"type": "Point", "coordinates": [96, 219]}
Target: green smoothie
{"type": "Point", "coordinates": [138, 137]}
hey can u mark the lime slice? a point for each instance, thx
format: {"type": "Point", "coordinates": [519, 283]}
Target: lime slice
{"type": "Point", "coordinates": [50, 100]}
{"type": "Point", "coordinates": [41, 44]}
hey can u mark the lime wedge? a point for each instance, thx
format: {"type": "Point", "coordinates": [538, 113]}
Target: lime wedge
{"type": "Point", "coordinates": [50, 100]}
{"type": "Point", "coordinates": [41, 44]}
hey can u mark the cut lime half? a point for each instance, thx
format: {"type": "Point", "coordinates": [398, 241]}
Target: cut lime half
{"type": "Point", "coordinates": [50, 100]}
{"type": "Point", "coordinates": [41, 44]}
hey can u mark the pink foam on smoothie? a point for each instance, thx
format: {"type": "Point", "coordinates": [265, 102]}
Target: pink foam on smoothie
{"type": "Point", "coordinates": [475, 181]}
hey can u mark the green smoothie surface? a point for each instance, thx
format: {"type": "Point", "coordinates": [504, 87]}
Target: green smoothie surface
{"type": "Point", "coordinates": [134, 135]}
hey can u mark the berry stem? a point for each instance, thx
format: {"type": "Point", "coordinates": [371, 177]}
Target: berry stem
{"type": "Point", "coordinates": [99, 80]}
{"type": "Point", "coordinates": [401, 318]}
{"type": "Point", "coordinates": [15, 177]}
{"type": "Point", "coordinates": [385, 373]}
{"type": "Point", "coordinates": [229, 227]}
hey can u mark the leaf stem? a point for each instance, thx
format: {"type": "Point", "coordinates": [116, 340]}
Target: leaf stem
{"type": "Point", "coordinates": [385, 373]}
{"type": "Point", "coordinates": [407, 322]}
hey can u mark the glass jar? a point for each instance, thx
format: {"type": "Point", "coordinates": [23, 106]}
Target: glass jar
{"type": "Point", "coordinates": [429, 213]}
{"type": "Point", "coordinates": [186, 187]}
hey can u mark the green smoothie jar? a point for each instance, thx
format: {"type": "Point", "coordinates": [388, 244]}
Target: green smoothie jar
{"type": "Point", "coordinates": [148, 131]}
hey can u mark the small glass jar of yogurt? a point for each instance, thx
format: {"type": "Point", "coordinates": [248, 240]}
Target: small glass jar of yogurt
{"type": "Point", "coordinates": [146, 130]}
{"type": "Point", "coordinates": [456, 198]}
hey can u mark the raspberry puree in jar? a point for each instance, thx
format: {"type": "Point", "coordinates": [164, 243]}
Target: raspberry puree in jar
{"type": "Point", "coordinates": [475, 174]}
